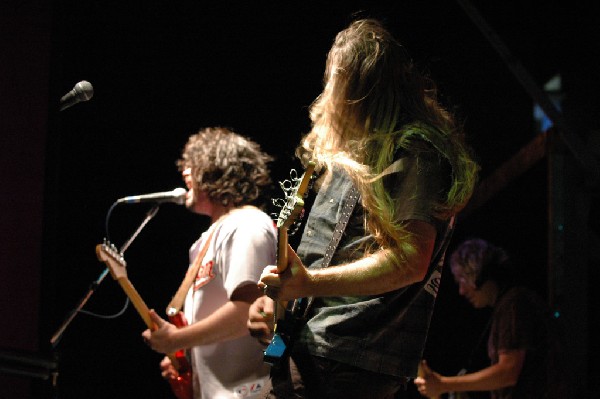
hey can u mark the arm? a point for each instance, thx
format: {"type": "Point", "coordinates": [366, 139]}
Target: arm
{"type": "Point", "coordinates": [370, 275]}
{"type": "Point", "coordinates": [503, 374]}
{"type": "Point", "coordinates": [226, 323]}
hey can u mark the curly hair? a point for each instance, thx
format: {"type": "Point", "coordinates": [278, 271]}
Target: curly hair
{"type": "Point", "coordinates": [375, 102]}
{"type": "Point", "coordinates": [230, 168]}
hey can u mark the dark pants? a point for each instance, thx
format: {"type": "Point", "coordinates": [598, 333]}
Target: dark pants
{"type": "Point", "coordinates": [311, 377]}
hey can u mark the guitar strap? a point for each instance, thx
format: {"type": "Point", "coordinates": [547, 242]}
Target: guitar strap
{"type": "Point", "coordinates": [178, 299]}
{"type": "Point", "coordinates": [177, 302]}
{"type": "Point", "coordinates": [347, 209]}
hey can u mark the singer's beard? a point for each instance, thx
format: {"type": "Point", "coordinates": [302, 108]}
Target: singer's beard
{"type": "Point", "coordinates": [190, 200]}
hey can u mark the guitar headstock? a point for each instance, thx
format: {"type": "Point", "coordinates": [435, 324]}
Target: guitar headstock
{"type": "Point", "coordinates": [110, 255]}
{"type": "Point", "coordinates": [294, 189]}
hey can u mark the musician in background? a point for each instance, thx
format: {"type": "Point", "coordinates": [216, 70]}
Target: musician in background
{"type": "Point", "coordinates": [226, 175]}
{"type": "Point", "coordinates": [376, 126]}
{"type": "Point", "coordinates": [524, 343]}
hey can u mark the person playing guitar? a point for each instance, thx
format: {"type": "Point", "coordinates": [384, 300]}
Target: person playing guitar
{"type": "Point", "coordinates": [525, 347]}
{"type": "Point", "coordinates": [226, 175]}
{"type": "Point", "coordinates": [395, 170]}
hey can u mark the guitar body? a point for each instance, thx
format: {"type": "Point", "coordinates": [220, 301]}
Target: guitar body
{"type": "Point", "coordinates": [181, 385]}
{"type": "Point", "coordinates": [286, 329]}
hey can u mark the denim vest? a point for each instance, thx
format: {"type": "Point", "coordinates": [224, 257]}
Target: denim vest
{"type": "Point", "coordinates": [381, 333]}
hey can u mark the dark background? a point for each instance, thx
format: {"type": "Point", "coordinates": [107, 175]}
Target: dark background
{"type": "Point", "coordinates": [161, 70]}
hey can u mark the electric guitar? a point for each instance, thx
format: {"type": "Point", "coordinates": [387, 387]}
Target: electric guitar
{"type": "Point", "coordinates": [177, 318]}
{"type": "Point", "coordinates": [292, 207]}
{"type": "Point", "coordinates": [174, 313]}
{"type": "Point", "coordinates": [181, 385]}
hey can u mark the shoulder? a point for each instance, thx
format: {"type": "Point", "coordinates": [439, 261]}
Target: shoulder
{"type": "Point", "coordinates": [418, 136]}
{"type": "Point", "coordinates": [246, 219]}
{"type": "Point", "coordinates": [523, 300]}
{"type": "Point", "coordinates": [521, 293]}
{"type": "Point", "coordinates": [251, 213]}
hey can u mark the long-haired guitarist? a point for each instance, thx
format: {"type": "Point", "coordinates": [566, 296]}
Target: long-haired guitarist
{"type": "Point", "coordinates": [227, 175]}
{"type": "Point", "coordinates": [377, 130]}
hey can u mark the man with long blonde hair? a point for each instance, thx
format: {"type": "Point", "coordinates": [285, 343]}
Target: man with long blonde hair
{"type": "Point", "coordinates": [377, 131]}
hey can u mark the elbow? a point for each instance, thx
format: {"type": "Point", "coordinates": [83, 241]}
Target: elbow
{"type": "Point", "coordinates": [416, 271]}
{"type": "Point", "coordinates": [510, 364]}
{"type": "Point", "coordinates": [511, 381]}
{"type": "Point", "coordinates": [511, 377]}
{"type": "Point", "coordinates": [409, 271]}
{"type": "Point", "coordinates": [420, 272]}
{"type": "Point", "coordinates": [416, 254]}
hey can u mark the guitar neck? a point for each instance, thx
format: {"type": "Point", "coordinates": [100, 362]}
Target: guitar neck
{"type": "Point", "coordinates": [137, 301]}
{"type": "Point", "coordinates": [292, 209]}
{"type": "Point", "coordinates": [143, 311]}
{"type": "Point", "coordinates": [115, 263]}
{"type": "Point", "coordinates": [282, 260]}
{"type": "Point", "coordinates": [282, 244]}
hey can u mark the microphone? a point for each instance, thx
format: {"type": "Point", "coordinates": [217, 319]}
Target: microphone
{"type": "Point", "coordinates": [82, 91]}
{"type": "Point", "coordinates": [176, 196]}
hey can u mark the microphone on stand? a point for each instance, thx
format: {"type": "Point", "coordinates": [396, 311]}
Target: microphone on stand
{"type": "Point", "coordinates": [82, 91]}
{"type": "Point", "coordinates": [176, 196]}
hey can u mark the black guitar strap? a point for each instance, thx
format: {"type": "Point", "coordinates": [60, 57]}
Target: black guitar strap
{"type": "Point", "coordinates": [347, 209]}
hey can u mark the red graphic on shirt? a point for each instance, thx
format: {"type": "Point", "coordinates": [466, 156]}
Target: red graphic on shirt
{"type": "Point", "coordinates": [205, 274]}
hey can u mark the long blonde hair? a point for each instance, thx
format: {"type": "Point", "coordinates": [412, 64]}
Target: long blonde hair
{"type": "Point", "coordinates": [375, 102]}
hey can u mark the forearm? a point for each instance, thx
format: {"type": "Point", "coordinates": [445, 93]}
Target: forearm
{"type": "Point", "coordinates": [377, 273]}
{"type": "Point", "coordinates": [490, 378]}
{"type": "Point", "coordinates": [226, 323]}
{"type": "Point", "coordinates": [380, 272]}
{"type": "Point", "coordinates": [371, 275]}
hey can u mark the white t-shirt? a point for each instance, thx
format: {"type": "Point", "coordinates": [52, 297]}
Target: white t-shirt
{"type": "Point", "coordinates": [243, 243]}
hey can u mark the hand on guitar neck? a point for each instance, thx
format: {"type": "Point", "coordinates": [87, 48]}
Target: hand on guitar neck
{"type": "Point", "coordinates": [261, 319]}
{"type": "Point", "coordinates": [180, 381]}
{"type": "Point", "coordinates": [428, 381]}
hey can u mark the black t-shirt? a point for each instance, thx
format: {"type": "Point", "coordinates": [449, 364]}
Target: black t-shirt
{"type": "Point", "coordinates": [522, 320]}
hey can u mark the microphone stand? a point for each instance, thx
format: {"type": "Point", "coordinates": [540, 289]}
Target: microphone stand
{"type": "Point", "coordinates": [92, 288]}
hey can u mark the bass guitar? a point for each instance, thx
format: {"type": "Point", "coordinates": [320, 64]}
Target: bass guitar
{"type": "Point", "coordinates": [291, 209]}
{"type": "Point", "coordinates": [181, 385]}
